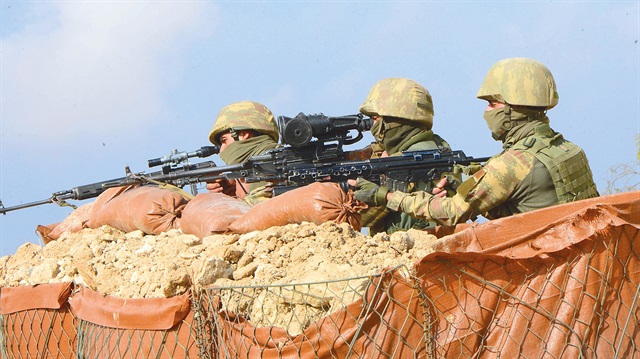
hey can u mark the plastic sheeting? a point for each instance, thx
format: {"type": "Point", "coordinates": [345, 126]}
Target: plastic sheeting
{"type": "Point", "coordinates": [36, 322]}
{"type": "Point", "coordinates": [132, 313]}
{"type": "Point", "coordinates": [562, 282]}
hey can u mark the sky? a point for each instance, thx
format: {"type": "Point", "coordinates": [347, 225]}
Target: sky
{"type": "Point", "coordinates": [89, 87]}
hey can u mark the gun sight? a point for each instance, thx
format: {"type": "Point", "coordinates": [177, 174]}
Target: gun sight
{"type": "Point", "coordinates": [298, 131]}
{"type": "Point", "coordinates": [175, 157]}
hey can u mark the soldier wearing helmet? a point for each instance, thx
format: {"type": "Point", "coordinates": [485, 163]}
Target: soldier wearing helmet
{"type": "Point", "coordinates": [537, 167]}
{"type": "Point", "coordinates": [402, 111]}
{"type": "Point", "coordinates": [242, 130]}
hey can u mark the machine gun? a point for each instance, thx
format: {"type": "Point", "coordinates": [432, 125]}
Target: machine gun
{"type": "Point", "coordinates": [304, 162]}
{"type": "Point", "coordinates": [287, 173]}
{"type": "Point", "coordinates": [297, 134]}
{"type": "Point", "coordinates": [332, 133]}
{"type": "Point", "coordinates": [410, 166]}
{"type": "Point", "coordinates": [175, 162]}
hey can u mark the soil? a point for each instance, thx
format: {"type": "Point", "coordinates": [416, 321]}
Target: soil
{"type": "Point", "coordinates": [335, 257]}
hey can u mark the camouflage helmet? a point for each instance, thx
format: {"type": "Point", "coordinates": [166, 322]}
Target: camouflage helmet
{"type": "Point", "coordinates": [402, 98]}
{"type": "Point", "coordinates": [520, 81]}
{"type": "Point", "coordinates": [245, 115]}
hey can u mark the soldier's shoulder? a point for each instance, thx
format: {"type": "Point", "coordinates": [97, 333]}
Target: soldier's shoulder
{"type": "Point", "coordinates": [512, 158]}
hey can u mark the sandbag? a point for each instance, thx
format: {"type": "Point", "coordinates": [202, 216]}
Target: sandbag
{"type": "Point", "coordinates": [316, 203]}
{"type": "Point", "coordinates": [74, 222]}
{"type": "Point", "coordinates": [210, 213]}
{"type": "Point", "coordinates": [147, 208]}
{"type": "Point", "coordinates": [44, 231]}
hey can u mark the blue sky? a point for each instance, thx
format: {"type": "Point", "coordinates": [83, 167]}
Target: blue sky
{"type": "Point", "coordinates": [88, 87]}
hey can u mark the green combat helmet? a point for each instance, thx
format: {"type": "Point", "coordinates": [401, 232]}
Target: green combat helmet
{"type": "Point", "coordinates": [401, 98]}
{"type": "Point", "coordinates": [520, 82]}
{"type": "Point", "coordinates": [245, 115]}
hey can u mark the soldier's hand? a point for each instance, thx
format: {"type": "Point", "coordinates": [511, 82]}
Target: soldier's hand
{"type": "Point", "coordinates": [222, 185]}
{"type": "Point", "coordinates": [370, 193]}
{"type": "Point", "coordinates": [439, 190]}
{"type": "Point", "coordinates": [447, 186]}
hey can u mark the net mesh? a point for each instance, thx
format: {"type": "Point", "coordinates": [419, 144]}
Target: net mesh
{"type": "Point", "coordinates": [570, 290]}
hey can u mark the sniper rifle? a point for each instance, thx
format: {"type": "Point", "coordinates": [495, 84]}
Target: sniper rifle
{"type": "Point", "coordinates": [175, 162]}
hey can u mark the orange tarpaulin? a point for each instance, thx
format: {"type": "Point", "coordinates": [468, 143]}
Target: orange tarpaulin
{"type": "Point", "coordinates": [558, 282]}
{"type": "Point", "coordinates": [561, 282]}
{"type": "Point", "coordinates": [131, 313]}
{"type": "Point", "coordinates": [37, 323]}
{"type": "Point", "coordinates": [51, 296]}
{"type": "Point", "coordinates": [389, 323]}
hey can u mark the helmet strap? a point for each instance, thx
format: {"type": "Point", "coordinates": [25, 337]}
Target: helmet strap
{"type": "Point", "coordinates": [507, 124]}
{"type": "Point", "coordinates": [234, 134]}
{"type": "Point", "coordinates": [510, 123]}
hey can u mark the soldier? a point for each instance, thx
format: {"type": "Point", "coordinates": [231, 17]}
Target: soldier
{"type": "Point", "coordinates": [242, 130]}
{"type": "Point", "coordinates": [537, 168]}
{"type": "Point", "coordinates": [402, 111]}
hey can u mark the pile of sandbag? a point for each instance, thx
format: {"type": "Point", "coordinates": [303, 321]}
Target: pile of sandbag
{"type": "Point", "coordinates": [154, 210]}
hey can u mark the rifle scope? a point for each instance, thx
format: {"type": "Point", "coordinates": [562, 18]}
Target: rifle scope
{"type": "Point", "coordinates": [299, 130]}
{"type": "Point", "coordinates": [175, 157]}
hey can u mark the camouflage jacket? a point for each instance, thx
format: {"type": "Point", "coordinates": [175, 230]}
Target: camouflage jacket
{"type": "Point", "coordinates": [513, 181]}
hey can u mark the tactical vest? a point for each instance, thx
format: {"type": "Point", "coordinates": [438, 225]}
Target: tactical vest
{"type": "Point", "coordinates": [567, 163]}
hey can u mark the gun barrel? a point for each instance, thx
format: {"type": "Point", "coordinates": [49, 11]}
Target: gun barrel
{"type": "Point", "coordinates": [4, 210]}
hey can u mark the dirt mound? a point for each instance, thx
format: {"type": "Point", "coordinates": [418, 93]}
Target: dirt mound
{"type": "Point", "coordinates": [133, 265]}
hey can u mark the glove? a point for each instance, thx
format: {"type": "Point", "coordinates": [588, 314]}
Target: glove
{"type": "Point", "coordinates": [258, 195]}
{"type": "Point", "coordinates": [370, 193]}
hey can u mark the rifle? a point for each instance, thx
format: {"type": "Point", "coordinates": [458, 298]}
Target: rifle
{"type": "Point", "coordinates": [305, 161]}
{"type": "Point", "coordinates": [177, 171]}
{"type": "Point", "coordinates": [290, 166]}
{"type": "Point", "coordinates": [175, 162]}
{"type": "Point", "coordinates": [288, 171]}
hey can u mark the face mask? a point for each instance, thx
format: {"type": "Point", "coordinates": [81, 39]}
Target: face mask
{"type": "Point", "coordinates": [399, 135]}
{"type": "Point", "coordinates": [376, 131]}
{"type": "Point", "coordinates": [240, 151]}
{"type": "Point", "coordinates": [498, 123]}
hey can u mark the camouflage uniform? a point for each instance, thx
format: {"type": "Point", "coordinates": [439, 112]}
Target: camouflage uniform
{"type": "Point", "coordinates": [406, 109]}
{"type": "Point", "coordinates": [253, 116]}
{"type": "Point", "coordinates": [538, 167]}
